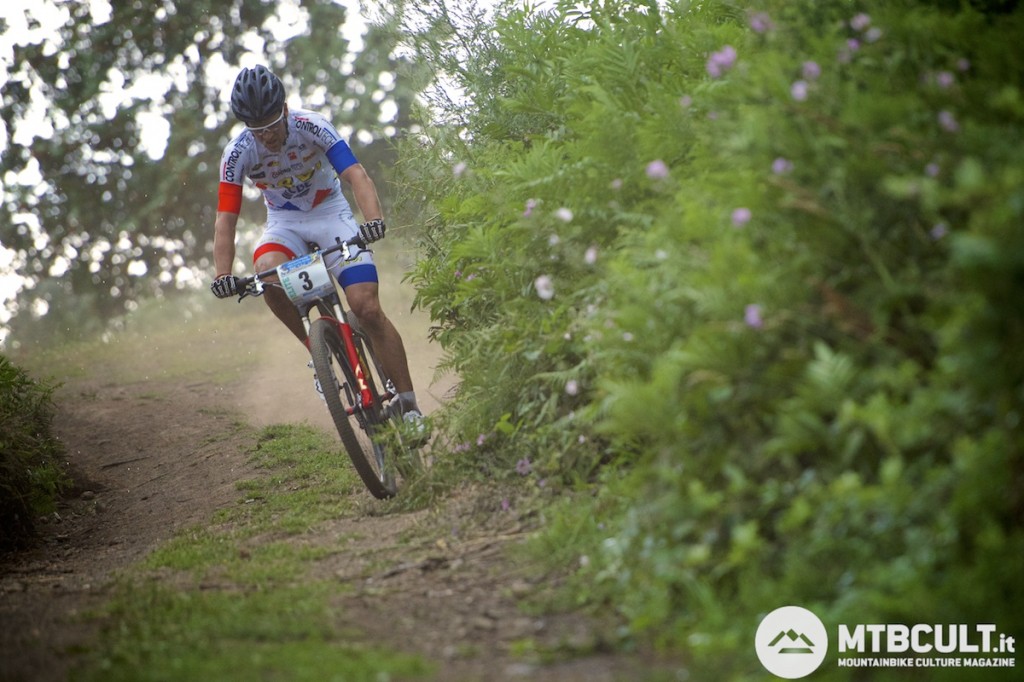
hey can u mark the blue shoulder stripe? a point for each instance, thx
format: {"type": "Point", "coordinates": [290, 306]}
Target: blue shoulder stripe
{"type": "Point", "coordinates": [341, 156]}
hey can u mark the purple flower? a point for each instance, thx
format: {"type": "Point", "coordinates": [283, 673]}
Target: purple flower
{"type": "Point", "coordinates": [761, 22]}
{"type": "Point", "coordinates": [616, 184]}
{"type": "Point", "coordinates": [945, 79]}
{"type": "Point", "coordinates": [932, 170]}
{"type": "Point", "coordinates": [572, 387]}
{"type": "Point", "coordinates": [781, 166]}
{"type": "Point", "coordinates": [590, 256]}
{"type": "Point", "coordinates": [799, 90]}
{"type": "Point", "coordinates": [523, 466]}
{"type": "Point", "coordinates": [741, 216]}
{"type": "Point", "coordinates": [564, 214]}
{"type": "Point", "coordinates": [505, 504]}
{"type": "Point", "coordinates": [685, 101]}
{"type": "Point", "coordinates": [752, 316]}
{"type": "Point", "coordinates": [873, 34]}
{"type": "Point", "coordinates": [530, 205]}
{"type": "Point", "coordinates": [657, 170]}
{"type": "Point", "coordinates": [811, 70]}
{"type": "Point", "coordinates": [860, 22]}
{"type": "Point", "coordinates": [721, 61]}
{"type": "Point", "coordinates": [939, 231]}
{"type": "Point", "coordinates": [948, 121]}
{"type": "Point", "coordinates": [853, 44]}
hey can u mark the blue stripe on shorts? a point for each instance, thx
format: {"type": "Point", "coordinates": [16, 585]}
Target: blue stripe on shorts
{"type": "Point", "coordinates": [358, 274]}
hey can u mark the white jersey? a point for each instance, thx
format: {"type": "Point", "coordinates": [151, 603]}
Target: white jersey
{"type": "Point", "coordinates": [301, 176]}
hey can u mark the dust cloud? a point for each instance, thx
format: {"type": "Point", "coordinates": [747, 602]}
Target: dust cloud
{"type": "Point", "coordinates": [281, 390]}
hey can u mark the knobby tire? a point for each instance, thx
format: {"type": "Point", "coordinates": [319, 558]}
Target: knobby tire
{"type": "Point", "coordinates": [338, 381]}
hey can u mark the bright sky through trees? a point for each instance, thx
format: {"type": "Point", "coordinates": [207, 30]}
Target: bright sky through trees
{"type": "Point", "coordinates": [25, 23]}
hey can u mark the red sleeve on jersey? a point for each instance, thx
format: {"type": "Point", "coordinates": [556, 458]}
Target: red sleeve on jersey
{"type": "Point", "coordinates": [229, 198]}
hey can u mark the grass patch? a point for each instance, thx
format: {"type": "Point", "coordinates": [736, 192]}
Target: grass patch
{"type": "Point", "coordinates": [166, 634]}
{"type": "Point", "coordinates": [306, 481]}
{"type": "Point", "coordinates": [232, 598]}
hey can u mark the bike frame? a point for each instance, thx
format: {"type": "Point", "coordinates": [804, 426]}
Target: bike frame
{"type": "Point", "coordinates": [331, 303]}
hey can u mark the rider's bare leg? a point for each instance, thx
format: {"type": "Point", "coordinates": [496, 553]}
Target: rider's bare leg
{"type": "Point", "coordinates": [277, 300]}
{"type": "Point", "coordinates": [364, 301]}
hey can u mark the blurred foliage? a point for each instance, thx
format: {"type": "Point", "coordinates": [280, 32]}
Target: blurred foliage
{"type": "Point", "coordinates": [94, 221]}
{"type": "Point", "coordinates": [31, 475]}
{"type": "Point", "coordinates": [745, 278]}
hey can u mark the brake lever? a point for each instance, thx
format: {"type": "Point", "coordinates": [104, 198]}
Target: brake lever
{"type": "Point", "coordinates": [254, 288]}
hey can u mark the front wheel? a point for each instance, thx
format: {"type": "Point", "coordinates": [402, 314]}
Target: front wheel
{"type": "Point", "coordinates": [357, 425]}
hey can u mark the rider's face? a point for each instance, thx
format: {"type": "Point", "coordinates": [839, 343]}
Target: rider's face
{"type": "Point", "coordinates": [272, 134]}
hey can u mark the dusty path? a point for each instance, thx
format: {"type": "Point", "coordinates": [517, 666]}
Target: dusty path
{"type": "Point", "coordinates": [154, 455]}
{"type": "Point", "coordinates": [137, 480]}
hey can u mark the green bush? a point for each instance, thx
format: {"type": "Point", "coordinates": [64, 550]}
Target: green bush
{"type": "Point", "coordinates": [31, 476]}
{"type": "Point", "coordinates": [756, 273]}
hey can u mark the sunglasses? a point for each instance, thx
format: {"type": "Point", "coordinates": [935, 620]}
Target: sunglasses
{"type": "Point", "coordinates": [266, 127]}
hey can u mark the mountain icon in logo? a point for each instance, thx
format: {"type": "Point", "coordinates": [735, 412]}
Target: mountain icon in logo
{"type": "Point", "coordinates": [791, 642]}
{"type": "Point", "coordinates": [791, 636]}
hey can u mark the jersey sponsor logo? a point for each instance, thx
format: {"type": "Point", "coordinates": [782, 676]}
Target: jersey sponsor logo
{"type": "Point", "coordinates": [293, 185]}
{"type": "Point", "coordinates": [230, 169]}
{"type": "Point", "coordinates": [323, 133]}
{"type": "Point", "coordinates": [308, 175]}
{"type": "Point", "coordinates": [230, 172]}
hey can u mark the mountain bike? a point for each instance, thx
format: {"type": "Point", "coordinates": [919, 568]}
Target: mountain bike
{"type": "Point", "coordinates": [355, 387]}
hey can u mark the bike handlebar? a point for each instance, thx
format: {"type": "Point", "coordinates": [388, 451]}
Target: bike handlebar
{"type": "Point", "coordinates": [245, 284]}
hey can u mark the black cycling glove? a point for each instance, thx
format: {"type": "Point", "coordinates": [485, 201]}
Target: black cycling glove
{"type": "Point", "coordinates": [372, 230]}
{"type": "Point", "coordinates": [225, 286]}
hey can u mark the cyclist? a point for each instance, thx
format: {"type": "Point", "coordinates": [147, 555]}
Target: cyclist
{"type": "Point", "coordinates": [297, 159]}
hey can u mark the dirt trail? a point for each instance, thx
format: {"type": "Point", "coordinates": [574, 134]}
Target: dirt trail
{"type": "Point", "coordinates": [143, 468]}
{"type": "Point", "coordinates": [150, 459]}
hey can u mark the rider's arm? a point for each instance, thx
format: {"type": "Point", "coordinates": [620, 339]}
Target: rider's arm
{"type": "Point", "coordinates": [224, 242]}
{"type": "Point", "coordinates": [229, 205]}
{"type": "Point", "coordinates": [364, 191]}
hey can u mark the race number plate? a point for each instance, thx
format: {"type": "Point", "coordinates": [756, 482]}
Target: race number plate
{"type": "Point", "coordinates": [306, 279]}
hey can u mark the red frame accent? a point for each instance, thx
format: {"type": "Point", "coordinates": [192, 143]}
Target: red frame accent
{"type": "Point", "coordinates": [365, 395]}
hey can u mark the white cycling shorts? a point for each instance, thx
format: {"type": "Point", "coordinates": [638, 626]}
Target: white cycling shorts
{"type": "Point", "coordinates": [294, 232]}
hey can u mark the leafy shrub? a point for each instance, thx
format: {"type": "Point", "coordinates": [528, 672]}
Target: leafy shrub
{"type": "Point", "coordinates": [756, 273]}
{"type": "Point", "coordinates": [31, 476]}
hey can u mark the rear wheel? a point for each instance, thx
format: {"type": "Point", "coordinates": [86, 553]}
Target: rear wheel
{"type": "Point", "coordinates": [360, 428]}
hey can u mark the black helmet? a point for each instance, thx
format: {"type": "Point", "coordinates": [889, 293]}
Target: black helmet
{"type": "Point", "coordinates": [258, 94]}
